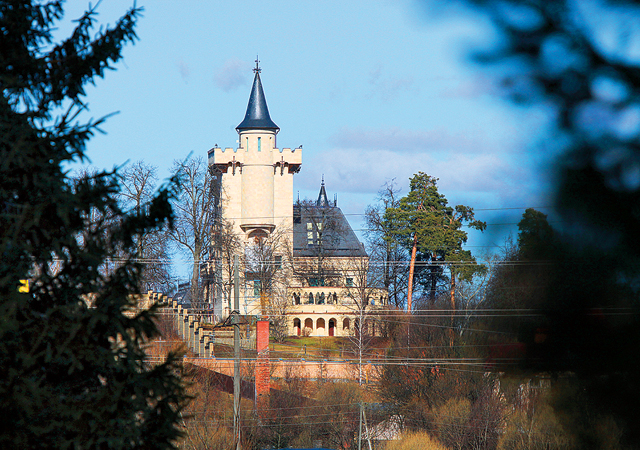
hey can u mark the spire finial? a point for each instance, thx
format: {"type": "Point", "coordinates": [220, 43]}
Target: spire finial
{"type": "Point", "coordinates": [322, 179]}
{"type": "Point", "coordinates": [257, 115]}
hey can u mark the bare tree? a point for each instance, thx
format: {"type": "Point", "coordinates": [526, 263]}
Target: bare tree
{"type": "Point", "coordinates": [194, 217]}
{"type": "Point", "coordinates": [388, 256]}
{"type": "Point", "coordinates": [96, 220]}
{"type": "Point", "coordinates": [471, 295]}
{"type": "Point", "coordinates": [268, 264]}
{"type": "Point", "coordinates": [225, 244]}
{"type": "Point", "coordinates": [364, 295]}
{"type": "Point", "coordinates": [139, 182]}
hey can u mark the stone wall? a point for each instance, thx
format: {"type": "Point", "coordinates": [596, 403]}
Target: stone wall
{"type": "Point", "coordinates": [188, 325]}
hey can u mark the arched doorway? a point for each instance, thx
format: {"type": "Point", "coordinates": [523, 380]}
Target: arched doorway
{"type": "Point", "coordinates": [332, 327]}
{"type": "Point", "coordinates": [296, 326]}
{"type": "Point", "coordinates": [345, 325]}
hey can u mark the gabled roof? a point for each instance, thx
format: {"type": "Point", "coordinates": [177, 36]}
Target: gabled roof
{"type": "Point", "coordinates": [257, 115]}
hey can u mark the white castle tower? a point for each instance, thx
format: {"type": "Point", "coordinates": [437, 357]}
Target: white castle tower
{"type": "Point", "coordinates": [256, 184]}
{"type": "Point", "coordinates": [257, 177]}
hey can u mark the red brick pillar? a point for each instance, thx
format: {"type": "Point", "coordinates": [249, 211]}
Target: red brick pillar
{"type": "Point", "coordinates": [262, 372]}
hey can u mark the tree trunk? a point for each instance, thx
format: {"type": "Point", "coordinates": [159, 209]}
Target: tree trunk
{"type": "Point", "coordinates": [433, 269]}
{"type": "Point", "coordinates": [195, 278]}
{"type": "Point", "coordinates": [453, 307]}
{"type": "Point", "coordinates": [412, 265]}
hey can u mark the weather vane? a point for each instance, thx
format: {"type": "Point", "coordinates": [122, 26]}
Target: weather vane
{"type": "Point", "coordinates": [257, 69]}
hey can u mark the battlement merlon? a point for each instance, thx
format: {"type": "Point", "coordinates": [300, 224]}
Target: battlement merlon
{"type": "Point", "coordinates": [224, 158]}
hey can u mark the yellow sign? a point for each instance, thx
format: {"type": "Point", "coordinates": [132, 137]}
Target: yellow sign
{"type": "Point", "coordinates": [24, 286]}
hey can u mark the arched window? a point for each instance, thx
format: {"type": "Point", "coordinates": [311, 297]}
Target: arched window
{"type": "Point", "coordinates": [321, 298]}
{"type": "Point", "coordinates": [310, 301]}
{"type": "Point", "coordinates": [257, 235]}
{"type": "Point", "coordinates": [320, 327]}
{"type": "Point", "coordinates": [296, 299]}
{"type": "Point", "coordinates": [345, 324]}
{"type": "Point", "coordinates": [330, 298]}
{"type": "Point", "coordinates": [308, 326]}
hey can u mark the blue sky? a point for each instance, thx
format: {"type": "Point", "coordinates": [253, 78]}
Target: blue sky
{"type": "Point", "coordinates": [373, 90]}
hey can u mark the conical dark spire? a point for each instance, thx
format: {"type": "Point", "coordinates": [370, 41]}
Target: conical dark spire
{"type": "Point", "coordinates": [257, 116]}
{"type": "Point", "coordinates": [322, 196]}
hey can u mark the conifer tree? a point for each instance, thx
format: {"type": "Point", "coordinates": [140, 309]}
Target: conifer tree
{"type": "Point", "coordinates": [73, 371]}
{"type": "Point", "coordinates": [424, 216]}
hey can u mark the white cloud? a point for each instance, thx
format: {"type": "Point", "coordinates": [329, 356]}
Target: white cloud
{"type": "Point", "coordinates": [403, 141]}
{"type": "Point", "coordinates": [477, 168]}
{"type": "Point", "coordinates": [232, 75]}
{"type": "Point", "coordinates": [366, 170]}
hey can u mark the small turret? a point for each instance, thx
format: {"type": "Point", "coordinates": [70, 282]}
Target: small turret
{"type": "Point", "coordinates": [257, 115]}
{"type": "Point", "coordinates": [322, 196]}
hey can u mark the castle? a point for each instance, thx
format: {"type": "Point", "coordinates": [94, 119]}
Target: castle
{"type": "Point", "coordinates": [300, 263]}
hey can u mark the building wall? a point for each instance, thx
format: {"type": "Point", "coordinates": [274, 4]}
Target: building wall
{"type": "Point", "coordinates": [332, 303]}
{"type": "Point", "coordinates": [256, 196]}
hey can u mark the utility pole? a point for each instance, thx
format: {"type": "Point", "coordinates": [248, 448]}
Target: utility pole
{"type": "Point", "coordinates": [236, 352]}
{"type": "Point", "coordinates": [366, 428]}
{"type": "Point", "coordinates": [360, 429]}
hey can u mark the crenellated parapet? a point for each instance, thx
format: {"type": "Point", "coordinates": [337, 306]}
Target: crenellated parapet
{"type": "Point", "coordinates": [231, 161]}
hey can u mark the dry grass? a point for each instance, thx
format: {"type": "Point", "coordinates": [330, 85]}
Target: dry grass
{"type": "Point", "coordinates": [415, 441]}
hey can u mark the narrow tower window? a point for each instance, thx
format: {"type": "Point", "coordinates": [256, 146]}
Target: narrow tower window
{"type": "Point", "coordinates": [259, 143]}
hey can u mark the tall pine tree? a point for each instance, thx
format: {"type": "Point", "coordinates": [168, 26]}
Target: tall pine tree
{"type": "Point", "coordinates": [425, 220]}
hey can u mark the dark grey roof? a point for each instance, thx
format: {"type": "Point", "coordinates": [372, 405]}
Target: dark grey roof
{"type": "Point", "coordinates": [257, 116]}
{"type": "Point", "coordinates": [322, 196]}
{"type": "Point", "coordinates": [329, 230]}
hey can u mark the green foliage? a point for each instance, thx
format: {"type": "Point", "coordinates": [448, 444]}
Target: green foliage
{"type": "Point", "coordinates": [425, 216]}
{"type": "Point", "coordinates": [523, 277]}
{"type": "Point", "coordinates": [535, 236]}
{"type": "Point", "coordinates": [73, 371]}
